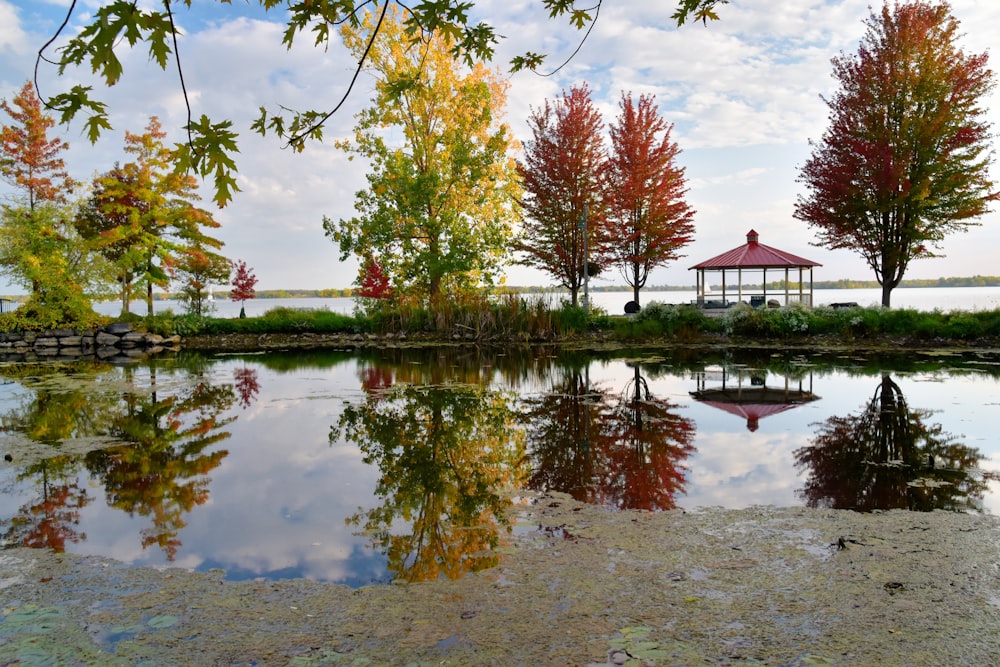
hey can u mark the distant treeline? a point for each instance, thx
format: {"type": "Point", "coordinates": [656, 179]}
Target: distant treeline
{"type": "Point", "coordinates": [843, 283]}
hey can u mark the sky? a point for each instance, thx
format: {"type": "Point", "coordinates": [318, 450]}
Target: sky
{"type": "Point", "coordinates": [744, 95]}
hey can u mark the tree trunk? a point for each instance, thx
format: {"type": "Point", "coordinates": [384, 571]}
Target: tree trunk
{"type": "Point", "coordinates": [886, 292]}
{"type": "Point", "coordinates": [635, 282]}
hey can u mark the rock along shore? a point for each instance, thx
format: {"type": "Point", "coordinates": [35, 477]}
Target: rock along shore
{"type": "Point", "coordinates": [116, 342]}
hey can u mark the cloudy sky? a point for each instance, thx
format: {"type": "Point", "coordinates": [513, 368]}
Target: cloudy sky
{"type": "Point", "coordinates": [743, 93]}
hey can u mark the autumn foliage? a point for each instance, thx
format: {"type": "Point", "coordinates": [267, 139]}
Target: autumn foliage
{"type": "Point", "coordinates": [561, 180]}
{"type": "Point", "coordinates": [648, 220]}
{"type": "Point", "coordinates": [905, 159]}
{"type": "Point", "coordinates": [585, 205]}
{"type": "Point", "coordinates": [244, 282]}
{"type": "Point", "coordinates": [29, 159]}
{"type": "Point", "coordinates": [374, 282]}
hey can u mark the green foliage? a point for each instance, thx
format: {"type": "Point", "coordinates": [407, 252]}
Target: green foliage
{"type": "Point", "coordinates": [509, 318]}
{"type": "Point", "coordinates": [677, 321]}
{"type": "Point", "coordinates": [61, 308]}
{"type": "Point", "coordinates": [570, 318]}
{"type": "Point", "coordinates": [276, 321]}
{"type": "Point", "coordinates": [115, 25]}
{"type": "Point", "coordinates": [438, 212]}
{"type": "Point", "coordinates": [476, 316]}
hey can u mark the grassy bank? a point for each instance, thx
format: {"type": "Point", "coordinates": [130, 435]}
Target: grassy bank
{"type": "Point", "coordinates": [517, 320]}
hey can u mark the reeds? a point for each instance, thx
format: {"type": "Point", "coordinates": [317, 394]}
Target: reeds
{"type": "Point", "coordinates": [511, 318]}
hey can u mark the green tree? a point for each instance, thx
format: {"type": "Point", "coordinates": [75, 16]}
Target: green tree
{"type": "Point", "coordinates": [563, 202]}
{"type": "Point", "coordinates": [905, 160]}
{"type": "Point", "coordinates": [143, 218]}
{"type": "Point", "coordinates": [39, 249]}
{"type": "Point", "coordinates": [437, 215]}
{"type": "Point", "coordinates": [120, 24]}
{"type": "Point", "coordinates": [103, 220]}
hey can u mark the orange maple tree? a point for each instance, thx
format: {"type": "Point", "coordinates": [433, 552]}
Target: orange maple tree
{"type": "Point", "coordinates": [648, 221]}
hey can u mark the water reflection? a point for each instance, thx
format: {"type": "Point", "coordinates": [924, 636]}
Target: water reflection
{"type": "Point", "coordinates": [449, 458]}
{"type": "Point", "coordinates": [889, 456]}
{"type": "Point", "coordinates": [386, 464]}
{"type": "Point", "coordinates": [157, 469]}
{"type": "Point", "coordinates": [746, 393]}
{"type": "Point", "coordinates": [621, 450]}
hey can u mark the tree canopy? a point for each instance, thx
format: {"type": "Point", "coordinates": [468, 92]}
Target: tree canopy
{"type": "Point", "coordinates": [562, 182]}
{"type": "Point", "coordinates": [118, 25]}
{"type": "Point", "coordinates": [142, 216]}
{"type": "Point", "coordinates": [905, 160]}
{"type": "Point", "coordinates": [437, 214]}
{"type": "Point", "coordinates": [39, 248]}
{"type": "Point", "coordinates": [648, 220]}
{"type": "Point", "coordinates": [30, 160]}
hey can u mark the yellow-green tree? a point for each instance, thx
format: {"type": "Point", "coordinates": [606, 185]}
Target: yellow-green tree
{"type": "Point", "coordinates": [142, 215]}
{"type": "Point", "coordinates": [39, 248]}
{"type": "Point", "coordinates": [449, 452]}
{"type": "Point", "coordinates": [437, 214]}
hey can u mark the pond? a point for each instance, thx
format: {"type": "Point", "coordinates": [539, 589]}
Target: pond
{"type": "Point", "coordinates": [363, 467]}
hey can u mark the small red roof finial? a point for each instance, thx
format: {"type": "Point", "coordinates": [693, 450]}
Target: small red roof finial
{"type": "Point", "coordinates": [752, 236]}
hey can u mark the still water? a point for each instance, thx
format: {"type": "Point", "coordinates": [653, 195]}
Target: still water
{"type": "Point", "coordinates": [921, 298]}
{"type": "Point", "coordinates": [362, 467]}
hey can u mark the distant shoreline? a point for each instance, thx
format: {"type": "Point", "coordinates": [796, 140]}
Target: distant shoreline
{"type": "Point", "coordinates": [843, 283]}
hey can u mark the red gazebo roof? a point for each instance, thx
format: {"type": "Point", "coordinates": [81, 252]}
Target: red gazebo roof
{"type": "Point", "coordinates": [755, 255]}
{"type": "Point", "coordinates": [752, 412]}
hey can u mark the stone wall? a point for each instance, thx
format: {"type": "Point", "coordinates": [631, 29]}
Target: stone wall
{"type": "Point", "coordinates": [117, 342]}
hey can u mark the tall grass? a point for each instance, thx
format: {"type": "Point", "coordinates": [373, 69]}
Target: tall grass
{"type": "Point", "coordinates": [513, 318]}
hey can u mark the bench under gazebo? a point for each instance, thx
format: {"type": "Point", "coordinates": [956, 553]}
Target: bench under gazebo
{"type": "Point", "coordinates": [754, 259]}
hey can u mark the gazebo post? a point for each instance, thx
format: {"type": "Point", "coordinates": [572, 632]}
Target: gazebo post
{"type": "Point", "coordinates": [754, 256]}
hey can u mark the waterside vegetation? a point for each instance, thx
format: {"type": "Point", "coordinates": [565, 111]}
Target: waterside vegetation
{"type": "Point", "coordinates": [519, 320]}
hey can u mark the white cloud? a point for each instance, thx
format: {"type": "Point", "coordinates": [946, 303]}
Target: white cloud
{"type": "Point", "coordinates": [744, 94]}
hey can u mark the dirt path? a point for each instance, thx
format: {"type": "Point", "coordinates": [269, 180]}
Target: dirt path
{"type": "Point", "coordinates": [577, 585]}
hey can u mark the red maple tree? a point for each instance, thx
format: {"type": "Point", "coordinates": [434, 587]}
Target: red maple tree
{"type": "Point", "coordinates": [561, 178]}
{"type": "Point", "coordinates": [373, 281]}
{"type": "Point", "coordinates": [648, 220]}
{"type": "Point", "coordinates": [244, 282]}
{"type": "Point", "coordinates": [905, 160]}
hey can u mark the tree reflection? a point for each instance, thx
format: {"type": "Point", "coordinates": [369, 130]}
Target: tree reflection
{"type": "Point", "coordinates": [565, 427]}
{"type": "Point", "coordinates": [888, 457]}
{"type": "Point", "coordinates": [61, 406]}
{"type": "Point", "coordinates": [247, 385]}
{"type": "Point", "coordinates": [624, 454]}
{"type": "Point", "coordinates": [162, 473]}
{"type": "Point", "coordinates": [648, 441]}
{"type": "Point", "coordinates": [448, 454]}
{"type": "Point", "coordinates": [50, 520]}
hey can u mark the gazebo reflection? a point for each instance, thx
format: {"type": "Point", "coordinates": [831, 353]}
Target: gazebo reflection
{"type": "Point", "coordinates": [746, 393]}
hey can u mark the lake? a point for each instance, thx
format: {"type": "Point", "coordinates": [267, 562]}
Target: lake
{"type": "Point", "coordinates": [365, 467]}
{"type": "Point", "coordinates": [922, 298]}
